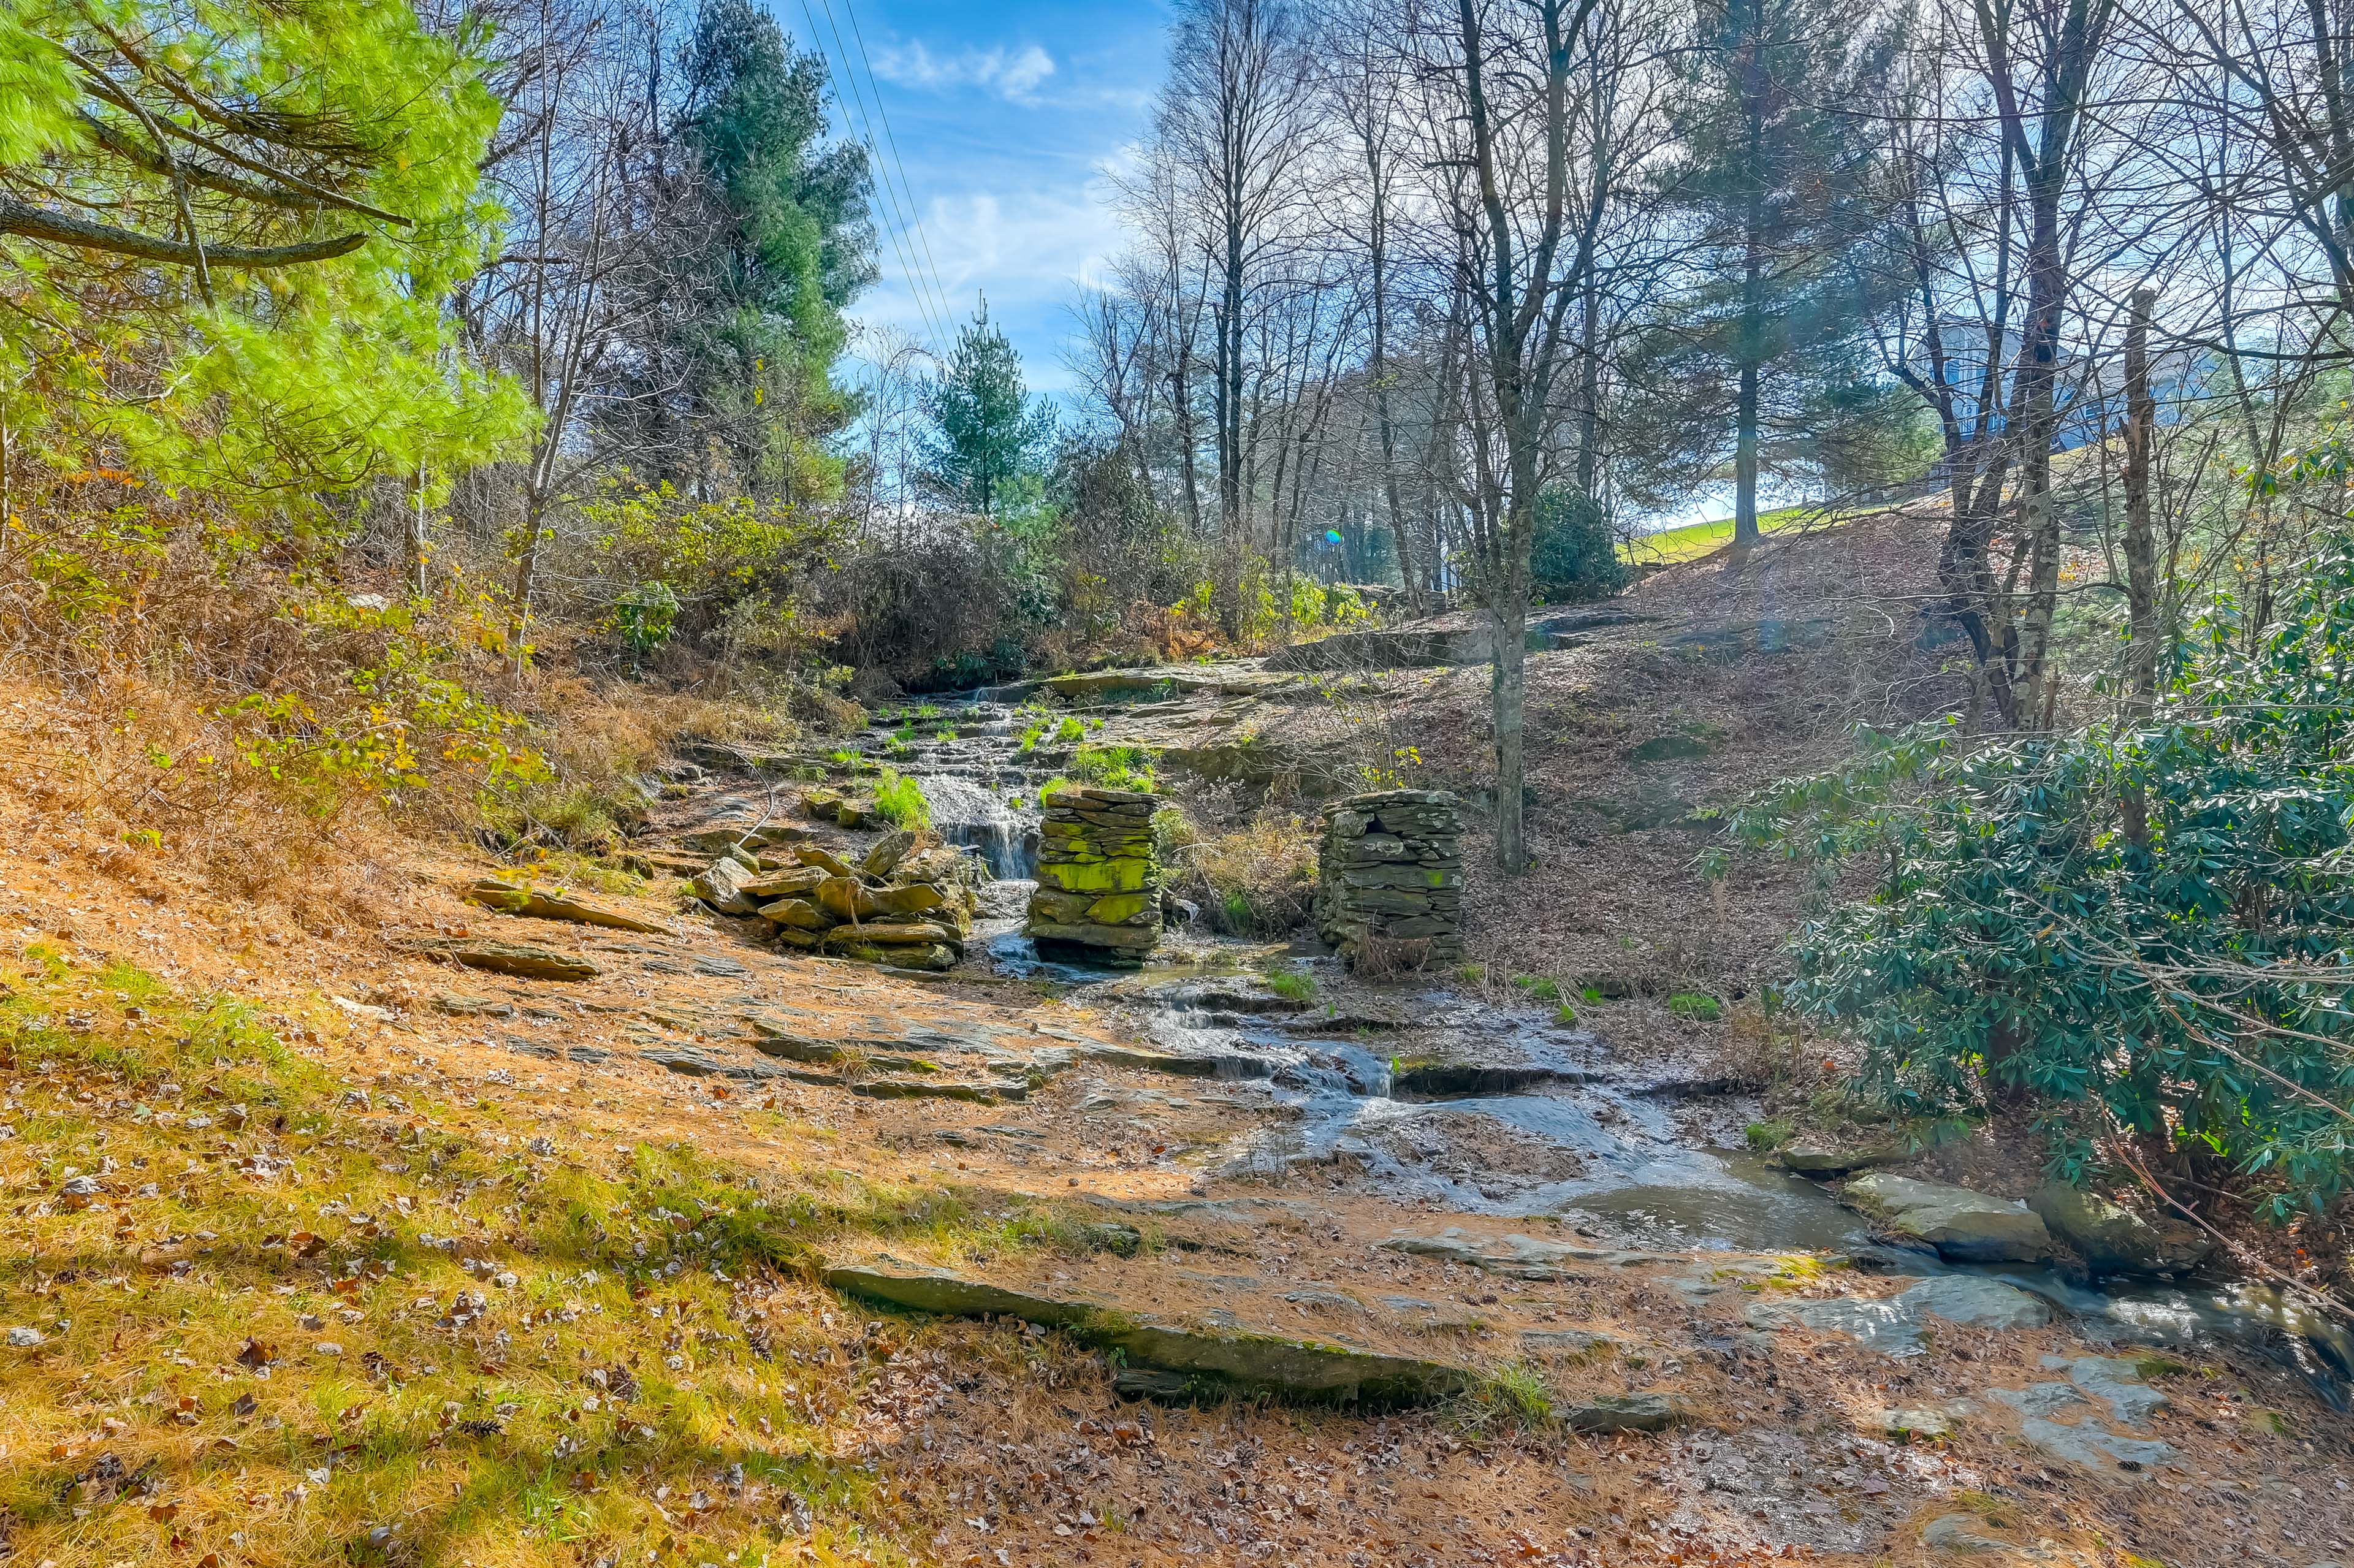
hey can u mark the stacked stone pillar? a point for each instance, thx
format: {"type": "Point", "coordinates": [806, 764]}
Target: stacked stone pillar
{"type": "Point", "coordinates": [1389, 889]}
{"type": "Point", "coordinates": [1099, 894]}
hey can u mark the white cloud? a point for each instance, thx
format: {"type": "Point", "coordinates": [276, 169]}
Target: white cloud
{"type": "Point", "coordinates": [1012, 74]}
{"type": "Point", "coordinates": [1028, 248]}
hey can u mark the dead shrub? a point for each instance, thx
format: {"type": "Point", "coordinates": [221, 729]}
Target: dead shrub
{"type": "Point", "coordinates": [1257, 880]}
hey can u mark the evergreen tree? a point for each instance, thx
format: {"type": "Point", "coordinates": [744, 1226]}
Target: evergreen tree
{"type": "Point", "coordinates": [1776, 180]}
{"type": "Point", "coordinates": [223, 234]}
{"type": "Point", "coordinates": [986, 432]}
{"type": "Point", "coordinates": [745, 325]}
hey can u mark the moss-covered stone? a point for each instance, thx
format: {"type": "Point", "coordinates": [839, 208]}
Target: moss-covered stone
{"type": "Point", "coordinates": [1204, 1358]}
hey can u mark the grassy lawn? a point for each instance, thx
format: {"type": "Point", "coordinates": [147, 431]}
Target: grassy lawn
{"type": "Point", "coordinates": [1693, 540]}
{"type": "Point", "coordinates": [263, 1313]}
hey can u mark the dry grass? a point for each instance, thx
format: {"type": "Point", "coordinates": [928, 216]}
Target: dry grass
{"type": "Point", "coordinates": [1256, 879]}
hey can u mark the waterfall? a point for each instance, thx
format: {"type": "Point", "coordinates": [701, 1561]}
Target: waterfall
{"type": "Point", "coordinates": [978, 818]}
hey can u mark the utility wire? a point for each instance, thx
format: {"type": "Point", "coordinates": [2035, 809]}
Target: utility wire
{"type": "Point", "coordinates": [849, 9]}
{"type": "Point", "coordinates": [934, 307]}
{"type": "Point", "coordinates": [896, 220]}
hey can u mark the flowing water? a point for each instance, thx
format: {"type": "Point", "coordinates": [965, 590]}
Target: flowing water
{"type": "Point", "coordinates": [1479, 1109]}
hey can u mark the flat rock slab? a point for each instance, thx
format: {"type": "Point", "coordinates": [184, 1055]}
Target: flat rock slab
{"type": "Point", "coordinates": [1894, 1325]}
{"type": "Point", "coordinates": [1963, 1225]}
{"type": "Point", "coordinates": [2115, 1382]}
{"type": "Point", "coordinates": [1622, 1413]}
{"type": "Point", "coordinates": [1524, 1257]}
{"type": "Point", "coordinates": [1964, 1534]}
{"type": "Point", "coordinates": [1813, 1156]}
{"type": "Point", "coordinates": [2113, 1239]}
{"type": "Point", "coordinates": [518, 959]}
{"type": "Point", "coordinates": [1206, 1359]}
{"type": "Point", "coordinates": [551, 904]}
{"type": "Point", "coordinates": [2095, 1447]}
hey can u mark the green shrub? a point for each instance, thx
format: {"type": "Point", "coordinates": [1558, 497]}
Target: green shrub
{"type": "Point", "coordinates": [1566, 1015]}
{"type": "Point", "coordinates": [1472, 974]}
{"type": "Point", "coordinates": [2139, 925]}
{"type": "Point", "coordinates": [1539, 986]}
{"type": "Point", "coordinates": [1291, 984]}
{"type": "Point", "coordinates": [1115, 767]}
{"type": "Point", "coordinates": [899, 801]}
{"type": "Point", "coordinates": [1766, 1136]}
{"type": "Point", "coordinates": [1699, 1006]}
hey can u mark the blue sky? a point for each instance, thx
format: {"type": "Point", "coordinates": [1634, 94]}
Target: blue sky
{"type": "Point", "coordinates": [1004, 117]}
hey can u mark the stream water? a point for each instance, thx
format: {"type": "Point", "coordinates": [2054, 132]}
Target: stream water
{"type": "Point", "coordinates": [1480, 1110]}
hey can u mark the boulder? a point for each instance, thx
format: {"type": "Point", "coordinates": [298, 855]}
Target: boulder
{"type": "Point", "coordinates": [1622, 1413]}
{"type": "Point", "coordinates": [722, 887]}
{"type": "Point", "coordinates": [1820, 1157]}
{"type": "Point", "coordinates": [792, 882]}
{"type": "Point", "coordinates": [1961, 1533]}
{"type": "Point", "coordinates": [749, 833]}
{"type": "Point", "coordinates": [887, 853]}
{"type": "Point", "coordinates": [796, 912]}
{"type": "Point", "coordinates": [1963, 1225]}
{"type": "Point", "coordinates": [1894, 1325]}
{"type": "Point", "coordinates": [2113, 1239]}
{"type": "Point", "coordinates": [892, 933]}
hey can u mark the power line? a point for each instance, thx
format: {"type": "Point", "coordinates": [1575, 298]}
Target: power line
{"type": "Point", "coordinates": [896, 222]}
{"type": "Point", "coordinates": [932, 307]}
{"type": "Point", "coordinates": [893, 141]}
{"type": "Point", "coordinates": [883, 118]}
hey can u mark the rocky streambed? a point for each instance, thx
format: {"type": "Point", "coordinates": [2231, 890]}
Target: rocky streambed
{"type": "Point", "coordinates": [1416, 1094]}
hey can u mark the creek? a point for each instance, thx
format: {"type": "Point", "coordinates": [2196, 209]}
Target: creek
{"type": "Point", "coordinates": [1453, 1104]}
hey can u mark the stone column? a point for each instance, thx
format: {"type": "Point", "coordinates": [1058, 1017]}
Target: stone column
{"type": "Point", "coordinates": [1099, 894]}
{"type": "Point", "coordinates": [1389, 887]}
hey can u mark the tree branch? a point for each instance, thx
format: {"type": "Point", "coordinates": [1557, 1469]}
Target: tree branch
{"type": "Point", "coordinates": [33, 223]}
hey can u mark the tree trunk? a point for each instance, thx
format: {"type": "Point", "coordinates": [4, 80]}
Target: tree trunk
{"type": "Point", "coordinates": [1508, 692]}
{"type": "Point", "coordinates": [419, 549]}
{"type": "Point", "coordinates": [2141, 546]}
{"type": "Point", "coordinates": [1752, 346]}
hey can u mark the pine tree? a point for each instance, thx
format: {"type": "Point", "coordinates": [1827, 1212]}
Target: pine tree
{"type": "Point", "coordinates": [738, 364]}
{"type": "Point", "coordinates": [986, 433]}
{"type": "Point", "coordinates": [1776, 181]}
{"type": "Point", "coordinates": [222, 232]}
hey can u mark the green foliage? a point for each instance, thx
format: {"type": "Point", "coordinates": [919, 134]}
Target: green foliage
{"type": "Point", "coordinates": [1511, 1395]}
{"type": "Point", "coordinates": [1292, 985]}
{"type": "Point", "coordinates": [645, 614]}
{"type": "Point", "coordinates": [1765, 1137]}
{"type": "Point", "coordinates": [1574, 555]}
{"type": "Point", "coordinates": [987, 436]}
{"type": "Point", "coordinates": [1260, 608]}
{"type": "Point", "coordinates": [1539, 986]}
{"type": "Point", "coordinates": [1699, 1006]}
{"type": "Point", "coordinates": [292, 380]}
{"type": "Point", "coordinates": [1114, 766]}
{"type": "Point", "coordinates": [756, 351]}
{"type": "Point", "coordinates": [2188, 983]}
{"type": "Point", "coordinates": [732, 570]}
{"type": "Point", "coordinates": [899, 801]}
